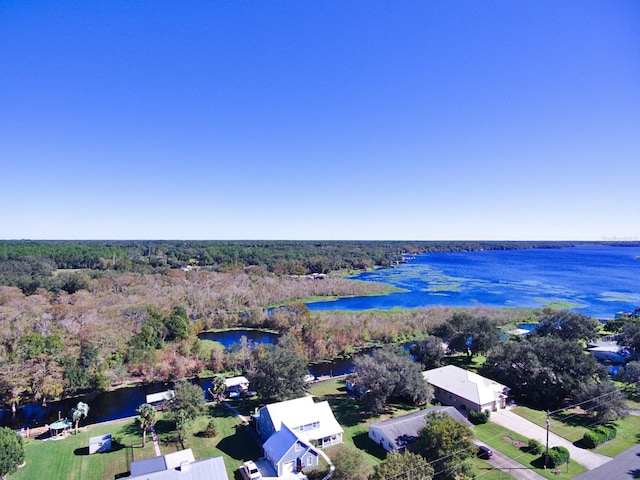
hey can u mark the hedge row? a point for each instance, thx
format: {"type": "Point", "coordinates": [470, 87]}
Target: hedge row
{"type": "Point", "coordinates": [597, 436]}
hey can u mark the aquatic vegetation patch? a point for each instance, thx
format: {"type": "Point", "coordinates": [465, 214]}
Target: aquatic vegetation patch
{"type": "Point", "coordinates": [620, 297]}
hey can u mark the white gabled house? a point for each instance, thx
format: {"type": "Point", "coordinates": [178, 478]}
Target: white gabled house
{"type": "Point", "coordinates": [466, 390]}
{"type": "Point", "coordinates": [312, 422]}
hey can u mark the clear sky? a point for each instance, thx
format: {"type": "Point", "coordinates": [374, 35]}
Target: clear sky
{"type": "Point", "coordinates": [426, 120]}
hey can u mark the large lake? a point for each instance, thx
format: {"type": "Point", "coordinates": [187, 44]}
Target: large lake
{"type": "Point", "coordinates": [595, 280]}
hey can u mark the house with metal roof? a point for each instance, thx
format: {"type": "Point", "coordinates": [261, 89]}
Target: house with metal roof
{"type": "Point", "coordinates": [312, 422]}
{"type": "Point", "coordinates": [466, 390]}
{"type": "Point", "coordinates": [400, 433]}
{"type": "Point", "coordinates": [179, 465]}
{"type": "Point", "coordinates": [287, 452]}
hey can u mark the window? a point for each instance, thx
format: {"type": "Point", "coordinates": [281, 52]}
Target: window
{"type": "Point", "coordinates": [301, 428]}
{"type": "Point", "coordinates": [298, 447]}
{"type": "Point", "coordinates": [315, 425]}
{"type": "Point", "coordinates": [309, 461]}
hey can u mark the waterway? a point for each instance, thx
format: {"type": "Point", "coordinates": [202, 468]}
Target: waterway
{"type": "Point", "coordinates": [596, 280]}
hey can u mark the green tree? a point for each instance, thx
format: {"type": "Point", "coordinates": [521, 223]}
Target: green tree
{"type": "Point", "coordinates": [546, 370]}
{"type": "Point", "coordinates": [350, 463]}
{"type": "Point", "coordinates": [147, 417]}
{"type": "Point", "coordinates": [188, 400]}
{"type": "Point", "coordinates": [630, 374]}
{"type": "Point", "coordinates": [447, 445]}
{"type": "Point", "coordinates": [389, 374]}
{"type": "Point", "coordinates": [468, 334]}
{"type": "Point", "coordinates": [177, 324]}
{"type": "Point", "coordinates": [11, 451]}
{"type": "Point", "coordinates": [603, 400]}
{"type": "Point", "coordinates": [80, 411]}
{"type": "Point", "coordinates": [403, 466]}
{"type": "Point", "coordinates": [429, 352]}
{"type": "Point", "coordinates": [567, 325]}
{"type": "Point", "coordinates": [218, 386]}
{"type": "Point", "coordinates": [279, 372]}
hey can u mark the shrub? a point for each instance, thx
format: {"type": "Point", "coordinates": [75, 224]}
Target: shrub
{"type": "Point", "coordinates": [558, 456]}
{"type": "Point", "coordinates": [534, 446]}
{"type": "Point", "coordinates": [597, 436]}
{"type": "Point", "coordinates": [478, 418]}
{"type": "Point", "coordinates": [211, 430]}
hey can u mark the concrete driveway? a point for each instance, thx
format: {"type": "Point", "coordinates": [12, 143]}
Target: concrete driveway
{"type": "Point", "coordinates": [516, 423]}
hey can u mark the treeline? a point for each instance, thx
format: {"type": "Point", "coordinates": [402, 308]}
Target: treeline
{"type": "Point", "coordinates": [30, 265]}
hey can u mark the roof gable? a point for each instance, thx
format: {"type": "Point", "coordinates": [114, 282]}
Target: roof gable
{"type": "Point", "coordinates": [304, 411]}
{"type": "Point", "coordinates": [463, 383]}
{"type": "Point", "coordinates": [280, 443]}
{"type": "Point", "coordinates": [403, 431]}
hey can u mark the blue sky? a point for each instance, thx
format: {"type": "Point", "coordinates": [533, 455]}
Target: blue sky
{"type": "Point", "coordinates": [480, 120]}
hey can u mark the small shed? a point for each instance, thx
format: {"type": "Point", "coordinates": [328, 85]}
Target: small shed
{"type": "Point", "coordinates": [100, 444]}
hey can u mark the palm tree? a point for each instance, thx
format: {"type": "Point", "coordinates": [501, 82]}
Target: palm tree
{"type": "Point", "coordinates": [146, 419]}
{"type": "Point", "coordinates": [80, 411]}
{"type": "Point", "coordinates": [218, 386]}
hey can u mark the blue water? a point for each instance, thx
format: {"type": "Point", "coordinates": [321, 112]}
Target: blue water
{"type": "Point", "coordinates": [229, 338]}
{"type": "Point", "coordinates": [595, 280]}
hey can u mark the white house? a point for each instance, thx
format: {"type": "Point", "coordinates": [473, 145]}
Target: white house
{"type": "Point", "coordinates": [400, 433]}
{"type": "Point", "coordinates": [179, 465]}
{"type": "Point", "coordinates": [312, 422]}
{"type": "Point", "coordinates": [466, 390]}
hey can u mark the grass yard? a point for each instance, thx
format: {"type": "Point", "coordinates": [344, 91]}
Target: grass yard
{"type": "Point", "coordinates": [572, 428]}
{"type": "Point", "coordinates": [68, 457]}
{"type": "Point", "coordinates": [354, 422]}
{"type": "Point", "coordinates": [501, 439]}
{"type": "Point", "coordinates": [461, 360]}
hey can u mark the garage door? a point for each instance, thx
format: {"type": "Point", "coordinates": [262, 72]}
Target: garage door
{"type": "Point", "coordinates": [288, 467]}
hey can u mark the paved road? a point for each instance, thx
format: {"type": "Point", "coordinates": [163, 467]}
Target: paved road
{"type": "Point", "coordinates": [622, 467]}
{"type": "Point", "coordinates": [510, 420]}
{"type": "Point", "coordinates": [511, 467]}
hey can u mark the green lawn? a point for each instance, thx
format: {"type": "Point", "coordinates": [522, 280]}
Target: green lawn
{"type": "Point", "coordinates": [572, 428]}
{"type": "Point", "coordinates": [68, 458]}
{"type": "Point", "coordinates": [354, 422]}
{"type": "Point", "coordinates": [501, 439]}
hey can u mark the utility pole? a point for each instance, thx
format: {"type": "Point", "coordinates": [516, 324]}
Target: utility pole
{"type": "Point", "coordinates": [546, 454]}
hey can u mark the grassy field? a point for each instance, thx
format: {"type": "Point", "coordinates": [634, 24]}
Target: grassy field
{"type": "Point", "coordinates": [68, 457]}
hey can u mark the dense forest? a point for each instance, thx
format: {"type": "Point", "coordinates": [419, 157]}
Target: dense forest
{"type": "Point", "coordinates": [54, 265]}
{"type": "Point", "coordinates": [76, 316]}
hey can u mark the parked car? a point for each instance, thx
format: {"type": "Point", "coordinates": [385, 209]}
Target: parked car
{"type": "Point", "coordinates": [250, 470]}
{"type": "Point", "coordinates": [484, 452]}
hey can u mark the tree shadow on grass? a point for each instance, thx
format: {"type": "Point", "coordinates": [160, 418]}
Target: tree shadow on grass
{"type": "Point", "coordinates": [363, 442]}
{"type": "Point", "coordinates": [348, 411]}
{"type": "Point", "coordinates": [240, 445]}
